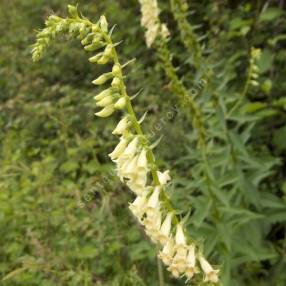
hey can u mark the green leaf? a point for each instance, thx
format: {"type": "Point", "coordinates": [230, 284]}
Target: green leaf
{"type": "Point", "coordinates": [265, 61]}
{"type": "Point", "coordinates": [270, 14]}
{"type": "Point", "coordinates": [278, 138]}
{"type": "Point", "coordinates": [202, 207]}
{"type": "Point", "coordinates": [69, 166]}
{"type": "Point", "coordinates": [254, 106]}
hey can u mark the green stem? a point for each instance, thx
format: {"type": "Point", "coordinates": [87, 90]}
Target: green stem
{"type": "Point", "coordinates": [160, 272]}
{"type": "Point", "coordinates": [244, 91]}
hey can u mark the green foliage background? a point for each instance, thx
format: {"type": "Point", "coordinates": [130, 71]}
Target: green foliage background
{"type": "Point", "coordinates": [63, 215]}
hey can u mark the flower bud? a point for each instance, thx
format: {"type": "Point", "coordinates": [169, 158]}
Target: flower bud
{"type": "Point", "coordinates": [254, 83]}
{"type": "Point", "coordinates": [116, 70]}
{"type": "Point", "coordinates": [95, 28]}
{"type": "Point", "coordinates": [74, 28]}
{"type": "Point", "coordinates": [103, 60]}
{"type": "Point", "coordinates": [254, 75]}
{"type": "Point", "coordinates": [120, 103]}
{"type": "Point", "coordinates": [106, 111]}
{"type": "Point", "coordinates": [255, 68]}
{"type": "Point", "coordinates": [108, 50]}
{"type": "Point", "coordinates": [72, 10]}
{"type": "Point", "coordinates": [107, 100]}
{"type": "Point", "coordinates": [116, 82]}
{"type": "Point", "coordinates": [94, 46]}
{"type": "Point", "coordinates": [103, 24]}
{"type": "Point", "coordinates": [83, 31]}
{"type": "Point", "coordinates": [53, 19]}
{"type": "Point", "coordinates": [95, 58]}
{"type": "Point", "coordinates": [88, 39]}
{"type": "Point", "coordinates": [121, 126]}
{"type": "Point", "coordinates": [103, 94]}
{"type": "Point", "coordinates": [102, 79]}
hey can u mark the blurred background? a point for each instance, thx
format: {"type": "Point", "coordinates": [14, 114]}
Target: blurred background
{"type": "Point", "coordinates": [64, 218]}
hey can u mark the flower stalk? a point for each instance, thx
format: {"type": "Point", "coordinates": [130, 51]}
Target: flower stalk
{"type": "Point", "coordinates": [133, 156]}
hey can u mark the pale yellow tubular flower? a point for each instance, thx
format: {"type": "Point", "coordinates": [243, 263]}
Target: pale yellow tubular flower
{"type": "Point", "coordinates": [142, 160]}
{"type": "Point", "coordinates": [180, 239]}
{"type": "Point", "coordinates": [119, 149]}
{"type": "Point", "coordinates": [174, 270]}
{"type": "Point", "coordinates": [191, 269]}
{"type": "Point", "coordinates": [153, 226]}
{"type": "Point", "coordinates": [166, 255]}
{"type": "Point", "coordinates": [179, 262]}
{"type": "Point", "coordinates": [138, 183]}
{"type": "Point", "coordinates": [165, 230]}
{"type": "Point", "coordinates": [164, 178]}
{"type": "Point", "coordinates": [165, 31]}
{"type": "Point", "coordinates": [153, 203]}
{"type": "Point", "coordinates": [129, 170]}
{"type": "Point", "coordinates": [211, 274]}
{"type": "Point", "coordinates": [131, 149]}
{"type": "Point", "coordinates": [122, 126]}
{"type": "Point", "coordinates": [150, 217]}
{"type": "Point", "coordinates": [122, 163]}
{"type": "Point", "coordinates": [138, 206]}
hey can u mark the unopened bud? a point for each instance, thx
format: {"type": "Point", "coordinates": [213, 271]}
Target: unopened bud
{"type": "Point", "coordinates": [103, 94]}
{"type": "Point", "coordinates": [95, 58]}
{"type": "Point", "coordinates": [94, 46]}
{"type": "Point", "coordinates": [103, 24]}
{"type": "Point", "coordinates": [254, 82]}
{"type": "Point", "coordinates": [72, 10]}
{"type": "Point", "coordinates": [106, 111]}
{"type": "Point", "coordinates": [95, 28]}
{"type": "Point", "coordinates": [105, 101]}
{"type": "Point", "coordinates": [102, 79]}
{"type": "Point", "coordinates": [53, 19]}
{"type": "Point", "coordinates": [120, 103]}
{"type": "Point", "coordinates": [108, 50]}
{"type": "Point", "coordinates": [116, 82]}
{"type": "Point", "coordinates": [103, 60]}
{"type": "Point", "coordinates": [87, 40]}
{"type": "Point", "coordinates": [84, 30]}
{"type": "Point", "coordinates": [116, 70]}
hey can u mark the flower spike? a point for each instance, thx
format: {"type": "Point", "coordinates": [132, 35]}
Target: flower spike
{"type": "Point", "coordinates": [135, 162]}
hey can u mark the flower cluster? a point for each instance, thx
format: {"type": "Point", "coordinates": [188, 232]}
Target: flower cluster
{"type": "Point", "coordinates": [133, 156]}
{"type": "Point", "coordinates": [130, 156]}
{"type": "Point", "coordinates": [150, 21]}
{"type": "Point", "coordinates": [253, 69]}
